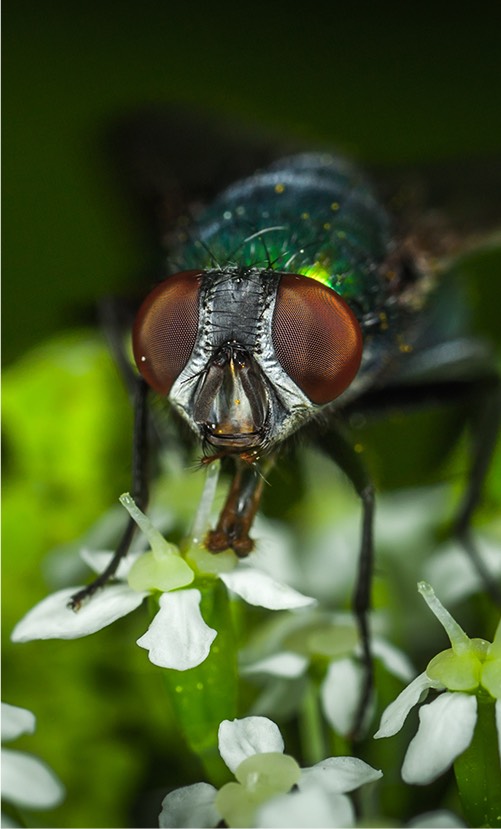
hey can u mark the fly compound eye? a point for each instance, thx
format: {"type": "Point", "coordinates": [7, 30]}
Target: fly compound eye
{"type": "Point", "coordinates": [316, 337]}
{"type": "Point", "coordinates": [165, 330]}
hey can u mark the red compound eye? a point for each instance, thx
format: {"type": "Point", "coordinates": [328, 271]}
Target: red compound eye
{"type": "Point", "coordinates": [316, 337]}
{"type": "Point", "coordinates": [165, 330]}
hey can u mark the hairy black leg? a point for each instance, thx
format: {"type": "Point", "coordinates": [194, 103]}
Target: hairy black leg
{"type": "Point", "coordinates": [482, 397]}
{"type": "Point", "coordinates": [339, 447]}
{"type": "Point", "coordinates": [139, 493]}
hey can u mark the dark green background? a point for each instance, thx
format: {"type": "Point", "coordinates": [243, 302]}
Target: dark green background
{"type": "Point", "coordinates": [417, 84]}
{"type": "Point", "coordinates": [420, 85]}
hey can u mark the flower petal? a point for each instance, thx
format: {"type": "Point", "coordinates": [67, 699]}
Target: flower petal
{"type": "Point", "coordinates": [313, 808]}
{"type": "Point", "coordinates": [52, 619]}
{"type": "Point", "coordinates": [446, 727]}
{"type": "Point", "coordinates": [434, 820]}
{"type": "Point", "coordinates": [16, 721]}
{"type": "Point", "coordinates": [395, 715]}
{"type": "Point", "coordinates": [285, 664]}
{"type": "Point", "coordinates": [28, 782]}
{"type": "Point", "coordinates": [191, 806]}
{"type": "Point", "coordinates": [239, 739]}
{"type": "Point", "coordinates": [258, 588]}
{"type": "Point", "coordinates": [394, 660]}
{"type": "Point", "coordinates": [98, 561]}
{"type": "Point", "coordinates": [340, 694]}
{"type": "Point", "coordinates": [339, 775]}
{"type": "Point", "coordinates": [178, 636]}
{"type": "Point", "coordinates": [453, 574]}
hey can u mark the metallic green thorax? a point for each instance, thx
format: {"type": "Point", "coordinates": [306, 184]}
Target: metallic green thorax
{"type": "Point", "coordinates": [310, 214]}
{"type": "Point", "coordinates": [315, 215]}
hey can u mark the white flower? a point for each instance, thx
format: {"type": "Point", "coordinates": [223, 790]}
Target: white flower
{"type": "Point", "coordinates": [447, 724]}
{"type": "Point", "coordinates": [332, 637]}
{"type": "Point", "coordinates": [178, 636]}
{"type": "Point", "coordinates": [446, 727]}
{"type": "Point", "coordinates": [271, 790]}
{"type": "Point", "coordinates": [27, 782]}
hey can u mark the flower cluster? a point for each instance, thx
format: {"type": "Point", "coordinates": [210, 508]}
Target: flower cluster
{"type": "Point", "coordinates": [178, 637]}
{"type": "Point", "coordinates": [271, 790]}
{"type": "Point", "coordinates": [329, 641]}
{"type": "Point", "coordinates": [467, 674]}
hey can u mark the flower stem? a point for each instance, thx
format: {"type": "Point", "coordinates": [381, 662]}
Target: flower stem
{"type": "Point", "coordinates": [311, 726]}
{"type": "Point", "coordinates": [204, 696]}
{"type": "Point", "coordinates": [478, 771]}
{"type": "Point", "coordinates": [202, 518]}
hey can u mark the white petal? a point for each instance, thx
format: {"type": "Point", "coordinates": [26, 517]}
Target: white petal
{"type": "Point", "coordinates": [258, 588]}
{"type": "Point", "coordinates": [395, 715]}
{"type": "Point", "coordinates": [98, 561]}
{"type": "Point", "coordinates": [52, 619]}
{"type": "Point", "coordinates": [498, 723]}
{"type": "Point", "coordinates": [286, 664]}
{"type": "Point", "coordinates": [16, 721]}
{"type": "Point", "coordinates": [394, 660]}
{"type": "Point", "coordinates": [340, 694]}
{"type": "Point", "coordinates": [408, 513]}
{"type": "Point", "coordinates": [339, 775]}
{"type": "Point", "coordinates": [452, 572]}
{"type": "Point", "coordinates": [191, 806]}
{"type": "Point", "coordinates": [446, 727]}
{"type": "Point", "coordinates": [274, 550]}
{"type": "Point", "coordinates": [439, 818]}
{"type": "Point", "coordinates": [330, 568]}
{"type": "Point", "coordinates": [313, 808]}
{"type": "Point", "coordinates": [178, 636]}
{"type": "Point", "coordinates": [27, 782]}
{"type": "Point", "coordinates": [239, 739]}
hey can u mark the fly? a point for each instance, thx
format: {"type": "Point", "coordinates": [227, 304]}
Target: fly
{"type": "Point", "coordinates": [291, 304]}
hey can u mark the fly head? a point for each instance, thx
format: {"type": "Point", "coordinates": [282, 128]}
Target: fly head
{"type": "Point", "coordinates": [246, 356]}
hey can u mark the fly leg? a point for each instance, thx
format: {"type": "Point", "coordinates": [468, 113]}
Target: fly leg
{"type": "Point", "coordinates": [139, 491]}
{"type": "Point", "coordinates": [341, 450]}
{"type": "Point", "coordinates": [482, 397]}
{"type": "Point", "coordinates": [239, 510]}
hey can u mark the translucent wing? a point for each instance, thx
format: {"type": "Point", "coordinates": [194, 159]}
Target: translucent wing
{"type": "Point", "coordinates": [447, 207]}
{"type": "Point", "coordinates": [170, 161]}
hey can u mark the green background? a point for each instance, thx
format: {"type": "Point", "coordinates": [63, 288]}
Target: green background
{"type": "Point", "coordinates": [415, 85]}
{"type": "Point", "coordinates": [420, 85]}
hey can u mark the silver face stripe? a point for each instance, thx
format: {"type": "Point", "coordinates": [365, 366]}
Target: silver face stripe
{"type": "Point", "coordinates": [238, 306]}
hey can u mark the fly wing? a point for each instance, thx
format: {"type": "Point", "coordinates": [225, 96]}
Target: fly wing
{"type": "Point", "coordinates": [443, 214]}
{"type": "Point", "coordinates": [446, 208]}
{"type": "Point", "coordinates": [171, 160]}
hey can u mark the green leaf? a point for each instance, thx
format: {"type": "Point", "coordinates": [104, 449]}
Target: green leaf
{"type": "Point", "coordinates": [478, 771]}
{"type": "Point", "coordinates": [204, 696]}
